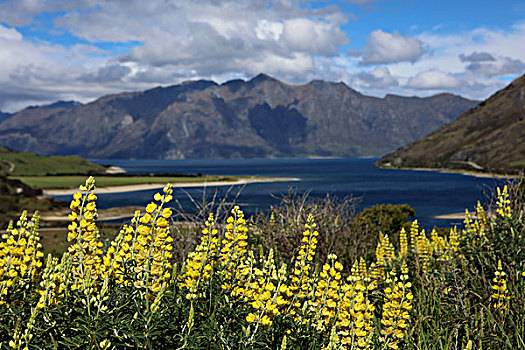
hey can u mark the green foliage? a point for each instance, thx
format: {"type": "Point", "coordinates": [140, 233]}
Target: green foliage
{"type": "Point", "coordinates": [388, 219]}
{"type": "Point", "coordinates": [345, 233]}
{"type": "Point", "coordinates": [16, 196]}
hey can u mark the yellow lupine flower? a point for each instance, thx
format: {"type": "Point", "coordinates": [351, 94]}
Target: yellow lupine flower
{"type": "Point", "coordinates": [500, 296]}
{"type": "Point", "coordinates": [150, 208]}
{"type": "Point", "coordinates": [503, 203]}
{"type": "Point", "coordinates": [395, 308]}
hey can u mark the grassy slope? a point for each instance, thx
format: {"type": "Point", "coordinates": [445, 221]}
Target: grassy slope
{"type": "Point", "coordinates": [56, 182]}
{"type": "Point", "coordinates": [33, 164]}
{"type": "Point", "coordinates": [491, 135]}
{"type": "Point", "coordinates": [16, 196]}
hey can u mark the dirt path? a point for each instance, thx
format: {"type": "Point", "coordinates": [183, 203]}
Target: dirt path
{"type": "Point", "coordinates": [11, 165]}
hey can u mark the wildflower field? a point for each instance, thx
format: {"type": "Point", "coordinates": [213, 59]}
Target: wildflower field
{"type": "Point", "coordinates": [235, 289]}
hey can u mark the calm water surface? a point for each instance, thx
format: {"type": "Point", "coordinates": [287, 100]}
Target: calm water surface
{"type": "Point", "coordinates": [429, 193]}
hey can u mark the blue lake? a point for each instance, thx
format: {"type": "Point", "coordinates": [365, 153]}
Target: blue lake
{"type": "Point", "coordinates": [429, 193]}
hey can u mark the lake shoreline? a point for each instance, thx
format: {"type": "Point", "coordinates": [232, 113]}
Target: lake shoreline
{"type": "Point", "coordinates": [455, 171]}
{"type": "Point", "coordinates": [359, 177]}
{"type": "Point", "coordinates": [154, 186]}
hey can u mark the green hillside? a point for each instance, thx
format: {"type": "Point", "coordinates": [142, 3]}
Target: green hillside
{"type": "Point", "coordinates": [487, 138]}
{"type": "Point", "coordinates": [15, 195]}
{"type": "Point", "coordinates": [31, 164]}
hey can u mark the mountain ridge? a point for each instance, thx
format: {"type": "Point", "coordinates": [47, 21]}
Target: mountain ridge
{"type": "Point", "coordinates": [4, 116]}
{"type": "Point", "coordinates": [489, 137]}
{"type": "Point", "coordinates": [260, 117]}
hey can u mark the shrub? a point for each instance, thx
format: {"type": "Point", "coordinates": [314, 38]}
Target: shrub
{"type": "Point", "coordinates": [345, 233]}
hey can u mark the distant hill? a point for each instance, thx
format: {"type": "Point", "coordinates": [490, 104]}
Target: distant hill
{"type": "Point", "coordinates": [31, 164]}
{"type": "Point", "coordinates": [489, 137]}
{"type": "Point", "coordinates": [16, 196]}
{"type": "Point", "coordinates": [262, 117]}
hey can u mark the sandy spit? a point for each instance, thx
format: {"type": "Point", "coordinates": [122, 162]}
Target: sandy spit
{"type": "Point", "coordinates": [144, 187]}
{"type": "Point", "coordinates": [115, 170]}
{"type": "Point", "coordinates": [453, 216]}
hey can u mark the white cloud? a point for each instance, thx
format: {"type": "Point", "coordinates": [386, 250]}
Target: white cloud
{"type": "Point", "coordinates": [379, 77]}
{"type": "Point", "coordinates": [179, 40]}
{"type": "Point", "coordinates": [477, 57]}
{"type": "Point", "coordinates": [278, 65]}
{"type": "Point", "coordinates": [383, 47]}
{"type": "Point", "coordinates": [474, 60]}
{"type": "Point", "coordinates": [212, 37]}
{"type": "Point", "coordinates": [267, 30]}
{"type": "Point", "coordinates": [495, 42]}
{"type": "Point", "coordinates": [40, 72]}
{"type": "Point", "coordinates": [109, 73]}
{"type": "Point", "coordinates": [499, 67]}
{"type": "Point", "coordinates": [315, 37]}
{"type": "Point", "coordinates": [21, 12]}
{"type": "Point", "coordinates": [433, 80]}
{"type": "Point", "coordinates": [9, 34]}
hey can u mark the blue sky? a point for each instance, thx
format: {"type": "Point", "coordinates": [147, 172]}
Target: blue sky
{"type": "Point", "coordinates": [83, 49]}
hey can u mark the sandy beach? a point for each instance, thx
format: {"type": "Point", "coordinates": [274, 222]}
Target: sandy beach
{"type": "Point", "coordinates": [144, 187]}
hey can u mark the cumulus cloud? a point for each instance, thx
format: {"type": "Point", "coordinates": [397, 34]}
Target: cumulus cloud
{"type": "Point", "coordinates": [499, 67]}
{"type": "Point", "coordinates": [10, 34]}
{"type": "Point", "coordinates": [477, 57]}
{"type": "Point", "coordinates": [212, 37]}
{"type": "Point", "coordinates": [111, 73]}
{"type": "Point", "coordinates": [267, 30]}
{"type": "Point", "coordinates": [379, 77]}
{"type": "Point", "coordinates": [316, 37]}
{"type": "Point", "coordinates": [433, 80]}
{"type": "Point", "coordinates": [383, 47]}
{"type": "Point", "coordinates": [38, 72]}
{"type": "Point", "coordinates": [167, 42]}
{"type": "Point", "coordinates": [478, 62]}
{"type": "Point", "coordinates": [22, 12]}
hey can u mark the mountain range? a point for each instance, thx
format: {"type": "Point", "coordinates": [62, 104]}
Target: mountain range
{"type": "Point", "coordinates": [489, 138]}
{"type": "Point", "coordinates": [262, 117]}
